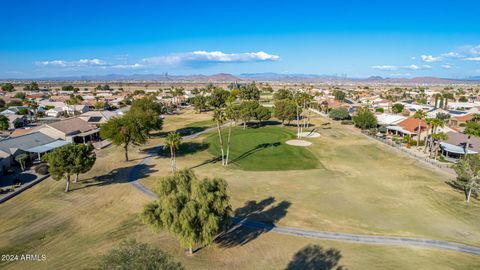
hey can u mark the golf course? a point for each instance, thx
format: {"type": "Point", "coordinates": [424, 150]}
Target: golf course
{"type": "Point", "coordinates": [344, 182]}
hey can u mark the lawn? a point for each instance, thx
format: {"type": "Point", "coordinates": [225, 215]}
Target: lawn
{"type": "Point", "coordinates": [263, 149]}
{"type": "Point", "coordinates": [361, 187]}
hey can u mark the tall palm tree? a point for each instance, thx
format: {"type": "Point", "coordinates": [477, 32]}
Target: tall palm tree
{"type": "Point", "coordinates": [420, 115]}
{"type": "Point", "coordinates": [472, 129]}
{"type": "Point", "coordinates": [430, 126]}
{"type": "Point", "coordinates": [436, 124]}
{"type": "Point", "coordinates": [232, 114]}
{"type": "Point", "coordinates": [173, 141]}
{"type": "Point", "coordinates": [219, 118]}
{"type": "Point", "coordinates": [437, 137]}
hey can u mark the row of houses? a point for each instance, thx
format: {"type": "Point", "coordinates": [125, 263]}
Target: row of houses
{"type": "Point", "coordinates": [38, 139]}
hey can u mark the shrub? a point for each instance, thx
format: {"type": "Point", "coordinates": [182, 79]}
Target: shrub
{"type": "Point", "coordinates": [42, 169]}
{"type": "Point", "coordinates": [339, 114]}
{"type": "Point", "coordinates": [380, 110]}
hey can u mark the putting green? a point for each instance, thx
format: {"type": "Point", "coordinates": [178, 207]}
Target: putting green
{"type": "Point", "coordinates": [263, 149]}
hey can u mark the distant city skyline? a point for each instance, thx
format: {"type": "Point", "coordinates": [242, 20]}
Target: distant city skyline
{"type": "Point", "coordinates": [378, 38]}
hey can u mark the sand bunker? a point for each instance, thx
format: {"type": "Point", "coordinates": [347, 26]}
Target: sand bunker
{"type": "Point", "coordinates": [309, 134]}
{"type": "Point", "coordinates": [298, 143]}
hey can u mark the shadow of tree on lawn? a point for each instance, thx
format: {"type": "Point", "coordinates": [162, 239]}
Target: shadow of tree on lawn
{"type": "Point", "coordinates": [256, 149]}
{"type": "Point", "coordinates": [315, 257]}
{"type": "Point", "coordinates": [186, 148]}
{"type": "Point", "coordinates": [263, 211]}
{"type": "Point", "coordinates": [118, 176]}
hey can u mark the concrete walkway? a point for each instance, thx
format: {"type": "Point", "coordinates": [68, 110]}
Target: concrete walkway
{"type": "Point", "coordinates": [325, 235]}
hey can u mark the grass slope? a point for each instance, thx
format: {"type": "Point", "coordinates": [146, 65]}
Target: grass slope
{"type": "Point", "coordinates": [263, 149]}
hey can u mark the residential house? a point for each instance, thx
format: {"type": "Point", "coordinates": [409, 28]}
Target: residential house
{"type": "Point", "coordinates": [73, 130]}
{"type": "Point", "coordinates": [409, 126]}
{"type": "Point", "coordinates": [34, 145]}
{"type": "Point", "coordinates": [456, 145]}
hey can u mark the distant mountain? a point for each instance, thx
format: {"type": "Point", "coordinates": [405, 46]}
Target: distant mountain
{"type": "Point", "coordinates": [268, 76]}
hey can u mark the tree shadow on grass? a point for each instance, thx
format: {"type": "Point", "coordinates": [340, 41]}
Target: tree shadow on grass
{"type": "Point", "coordinates": [118, 176]}
{"type": "Point", "coordinates": [461, 189]}
{"type": "Point", "coordinates": [256, 149]}
{"type": "Point", "coordinates": [185, 131]}
{"type": "Point", "coordinates": [186, 148]}
{"type": "Point", "coordinates": [251, 213]}
{"type": "Point", "coordinates": [315, 257]}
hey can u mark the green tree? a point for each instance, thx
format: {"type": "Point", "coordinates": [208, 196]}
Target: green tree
{"type": "Point", "coordinates": [219, 118]}
{"type": "Point", "coordinates": [463, 99]}
{"type": "Point", "coordinates": [364, 118]}
{"type": "Point", "coordinates": [285, 110]}
{"type": "Point", "coordinates": [247, 111]}
{"type": "Point", "coordinates": [437, 138]}
{"type": "Point", "coordinates": [249, 92]}
{"type": "Point", "coordinates": [262, 114]}
{"type": "Point", "coordinates": [21, 159]}
{"type": "Point", "coordinates": [472, 129]}
{"type": "Point", "coordinates": [61, 163]}
{"type": "Point", "coordinates": [193, 209]}
{"type": "Point", "coordinates": [172, 142]}
{"type": "Point", "coordinates": [339, 95]}
{"type": "Point", "coordinates": [397, 108]}
{"type": "Point", "coordinates": [419, 115]}
{"type": "Point", "coordinates": [20, 95]}
{"type": "Point", "coordinates": [199, 103]}
{"type": "Point", "coordinates": [125, 131]}
{"type": "Point", "coordinates": [283, 94]}
{"type": "Point", "coordinates": [133, 255]}
{"type": "Point", "coordinates": [8, 87]}
{"type": "Point", "coordinates": [32, 86]}
{"type": "Point", "coordinates": [339, 113]}
{"type": "Point", "coordinates": [468, 173]}
{"type": "Point", "coordinates": [218, 98]}
{"type": "Point", "coordinates": [84, 158]}
{"type": "Point", "coordinates": [4, 124]}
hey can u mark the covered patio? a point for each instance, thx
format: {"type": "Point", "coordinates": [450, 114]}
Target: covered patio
{"type": "Point", "coordinates": [37, 152]}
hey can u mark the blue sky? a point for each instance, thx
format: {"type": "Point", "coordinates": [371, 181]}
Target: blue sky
{"type": "Point", "coordinates": [385, 38]}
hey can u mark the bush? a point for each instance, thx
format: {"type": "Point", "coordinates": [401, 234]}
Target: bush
{"type": "Point", "coordinates": [346, 122]}
{"type": "Point", "coordinates": [380, 110]}
{"type": "Point", "coordinates": [42, 169]}
{"type": "Point", "coordinates": [339, 114]}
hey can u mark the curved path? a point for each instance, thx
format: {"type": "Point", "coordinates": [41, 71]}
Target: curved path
{"type": "Point", "coordinates": [325, 235]}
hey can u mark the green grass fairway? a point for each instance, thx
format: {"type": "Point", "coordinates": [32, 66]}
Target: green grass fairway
{"type": "Point", "coordinates": [264, 149]}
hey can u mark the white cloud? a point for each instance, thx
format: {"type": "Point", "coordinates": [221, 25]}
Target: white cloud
{"type": "Point", "coordinates": [385, 67]}
{"type": "Point", "coordinates": [413, 58]}
{"type": "Point", "coordinates": [476, 59]}
{"type": "Point", "coordinates": [430, 58]}
{"type": "Point", "coordinates": [78, 63]}
{"type": "Point", "coordinates": [392, 68]}
{"type": "Point", "coordinates": [446, 66]}
{"type": "Point", "coordinates": [452, 55]}
{"type": "Point", "coordinates": [204, 57]}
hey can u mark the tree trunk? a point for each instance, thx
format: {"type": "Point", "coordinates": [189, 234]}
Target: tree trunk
{"type": "Point", "coordinates": [190, 250]}
{"type": "Point", "coordinates": [126, 152]}
{"type": "Point", "coordinates": [469, 194]}
{"type": "Point", "coordinates": [427, 141]}
{"type": "Point", "coordinates": [419, 133]}
{"type": "Point", "coordinates": [244, 124]}
{"type": "Point", "coordinates": [67, 187]}
{"type": "Point", "coordinates": [76, 178]}
{"type": "Point", "coordinates": [298, 124]}
{"type": "Point", "coordinates": [466, 147]}
{"type": "Point", "coordinates": [221, 142]}
{"type": "Point", "coordinates": [228, 143]}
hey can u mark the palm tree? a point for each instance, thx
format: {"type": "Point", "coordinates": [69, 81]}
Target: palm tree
{"type": "Point", "coordinates": [231, 114]}
{"type": "Point", "coordinates": [173, 141]}
{"type": "Point", "coordinates": [436, 124]}
{"type": "Point", "coordinates": [420, 115]}
{"type": "Point", "coordinates": [219, 118]}
{"type": "Point", "coordinates": [430, 126]}
{"type": "Point", "coordinates": [472, 129]}
{"type": "Point", "coordinates": [437, 137]}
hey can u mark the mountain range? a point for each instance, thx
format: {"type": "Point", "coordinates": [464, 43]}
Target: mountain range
{"type": "Point", "coordinates": [278, 77]}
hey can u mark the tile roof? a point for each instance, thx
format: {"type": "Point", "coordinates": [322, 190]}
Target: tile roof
{"type": "Point", "coordinates": [411, 124]}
